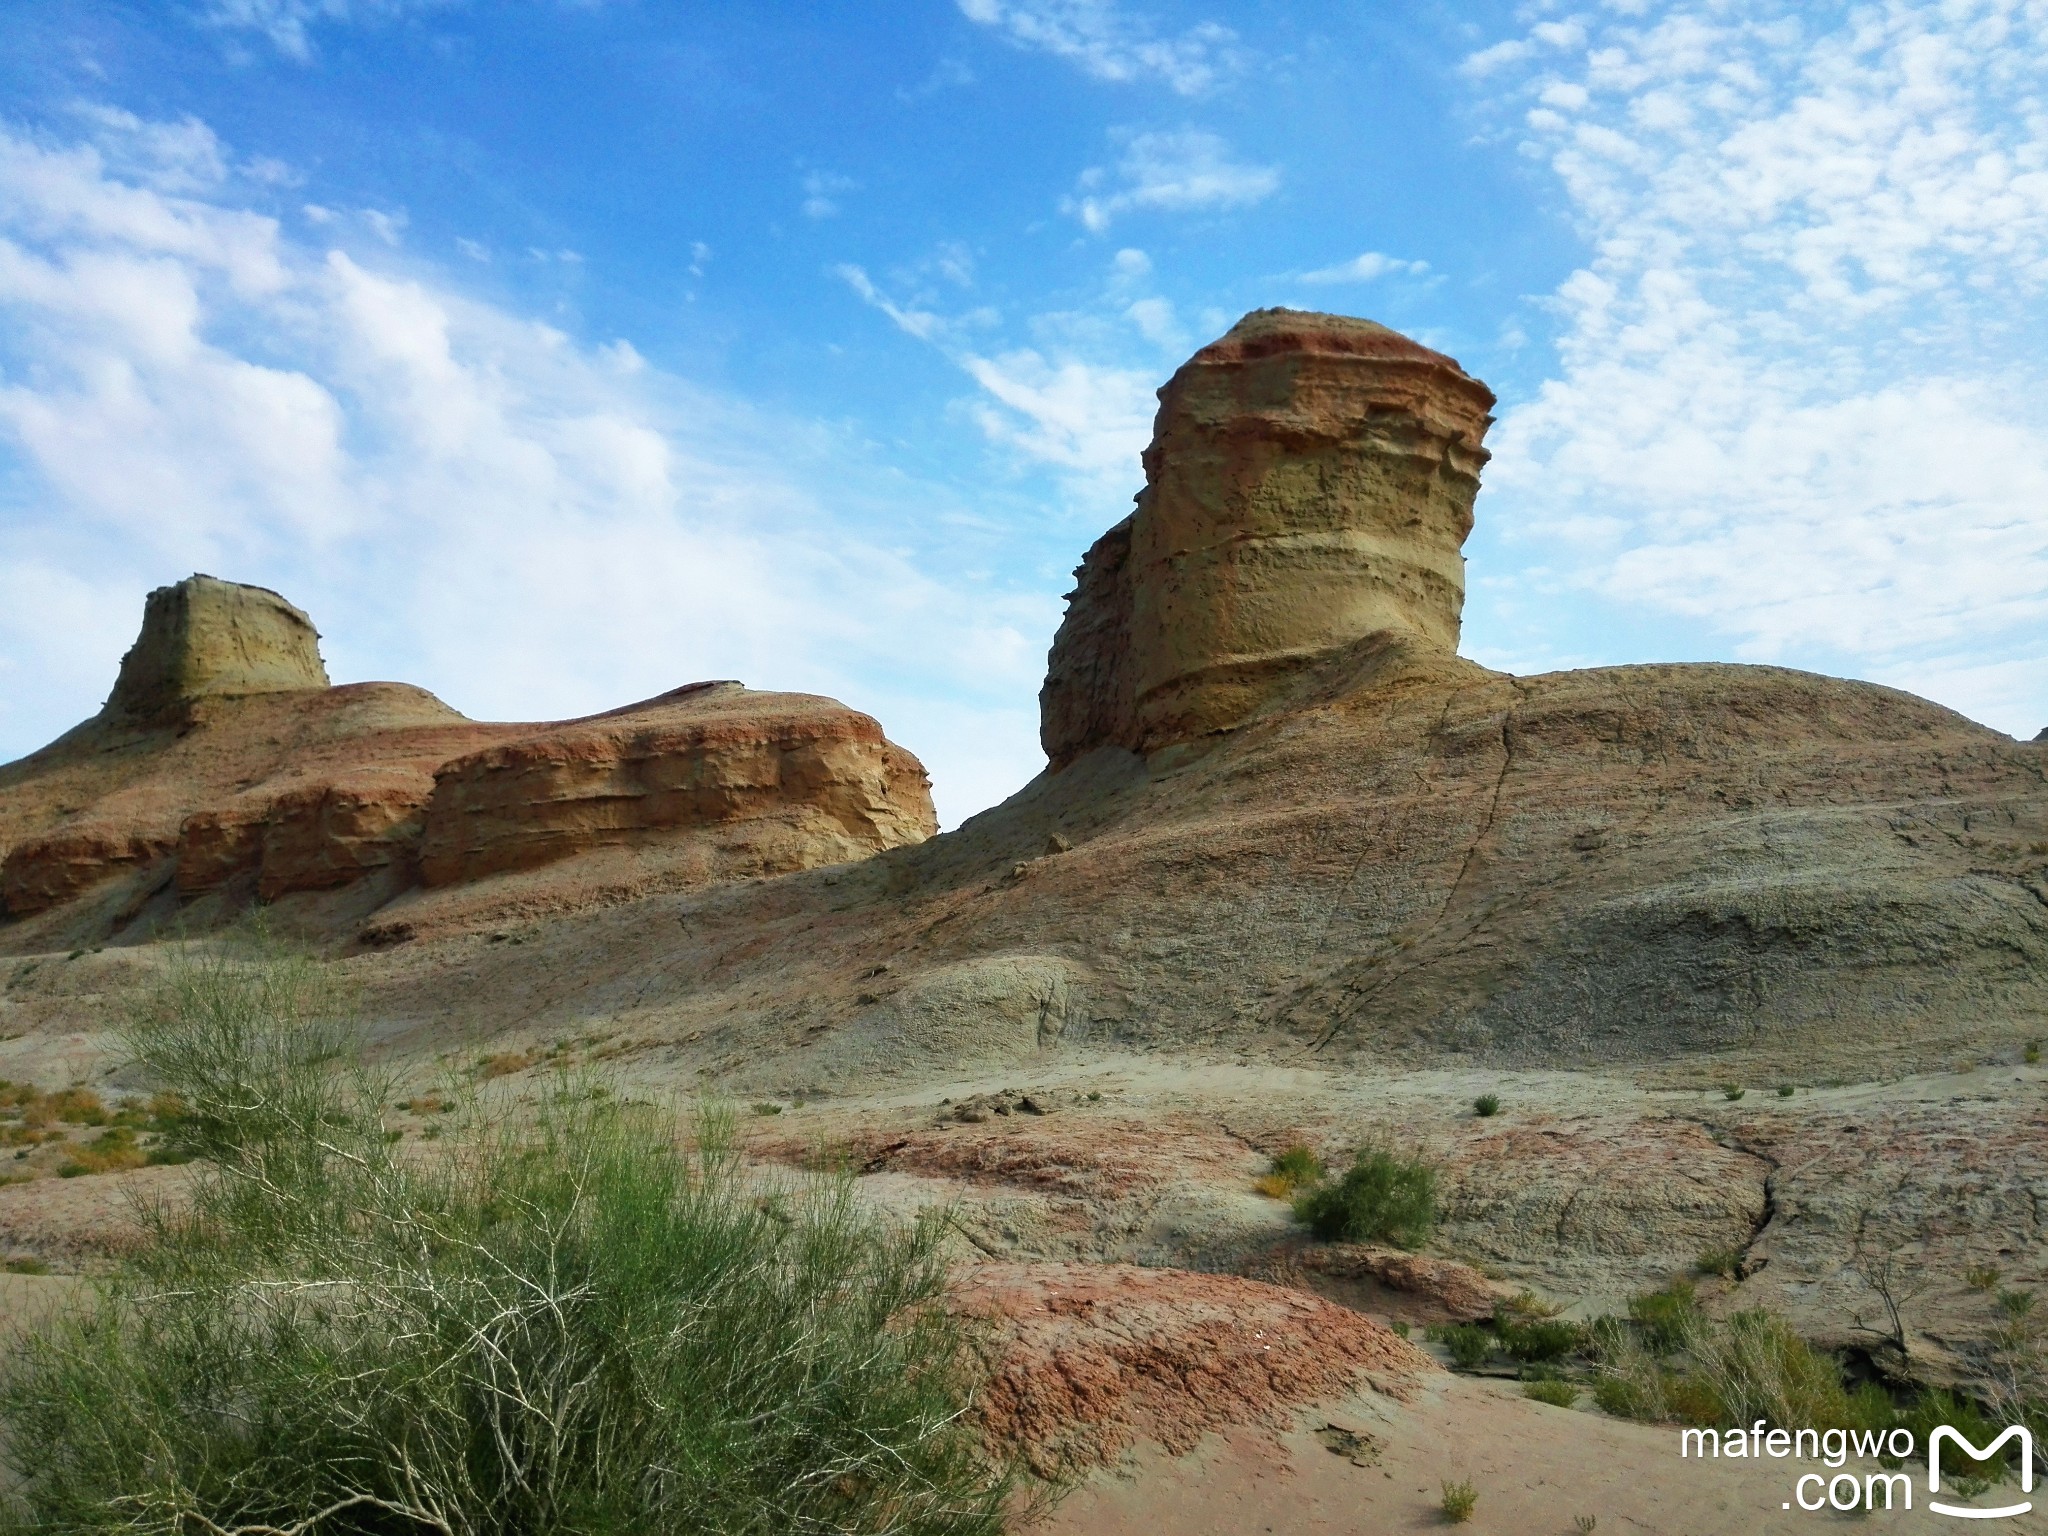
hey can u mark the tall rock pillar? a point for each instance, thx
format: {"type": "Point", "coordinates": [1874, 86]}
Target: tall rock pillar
{"type": "Point", "coordinates": [1310, 482]}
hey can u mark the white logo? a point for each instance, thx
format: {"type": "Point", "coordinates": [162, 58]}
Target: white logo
{"type": "Point", "coordinates": [1945, 1432]}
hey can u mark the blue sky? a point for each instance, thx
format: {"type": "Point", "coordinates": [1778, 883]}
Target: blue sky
{"type": "Point", "coordinates": [552, 353]}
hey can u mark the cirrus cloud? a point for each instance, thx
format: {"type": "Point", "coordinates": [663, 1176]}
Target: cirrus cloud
{"type": "Point", "coordinates": [1799, 394]}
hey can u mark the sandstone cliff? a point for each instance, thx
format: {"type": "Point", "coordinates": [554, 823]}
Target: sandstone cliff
{"type": "Point", "coordinates": [1283, 814]}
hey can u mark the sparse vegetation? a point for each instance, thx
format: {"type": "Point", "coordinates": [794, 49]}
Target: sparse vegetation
{"type": "Point", "coordinates": [2032, 1054]}
{"type": "Point", "coordinates": [1486, 1106]}
{"type": "Point", "coordinates": [571, 1325]}
{"type": "Point", "coordinates": [1732, 1091]}
{"type": "Point", "coordinates": [1470, 1345]}
{"type": "Point", "coordinates": [1785, 1090]}
{"type": "Point", "coordinates": [1459, 1500]}
{"type": "Point", "coordinates": [1981, 1277]}
{"type": "Point", "coordinates": [1294, 1170]}
{"type": "Point", "coordinates": [1382, 1198]}
{"type": "Point", "coordinates": [1554, 1391]}
{"type": "Point", "coordinates": [1724, 1262]}
{"type": "Point", "coordinates": [504, 1064]}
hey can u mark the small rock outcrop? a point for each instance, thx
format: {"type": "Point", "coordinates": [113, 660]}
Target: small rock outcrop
{"type": "Point", "coordinates": [1309, 483]}
{"type": "Point", "coordinates": [205, 638]}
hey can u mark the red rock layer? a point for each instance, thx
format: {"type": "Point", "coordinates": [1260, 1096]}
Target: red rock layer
{"type": "Point", "coordinates": [312, 789]}
{"type": "Point", "coordinates": [712, 754]}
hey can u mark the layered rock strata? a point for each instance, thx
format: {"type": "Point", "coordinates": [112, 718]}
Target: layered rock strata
{"type": "Point", "coordinates": [709, 754]}
{"type": "Point", "coordinates": [224, 765]}
{"type": "Point", "coordinates": [1309, 483]}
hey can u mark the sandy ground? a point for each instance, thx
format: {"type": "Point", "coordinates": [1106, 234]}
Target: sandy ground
{"type": "Point", "coordinates": [1537, 1470]}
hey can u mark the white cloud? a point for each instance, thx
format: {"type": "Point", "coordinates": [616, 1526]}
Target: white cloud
{"type": "Point", "coordinates": [1365, 269]}
{"type": "Point", "coordinates": [1801, 395]}
{"type": "Point", "coordinates": [921, 323]}
{"type": "Point", "coordinates": [822, 191]}
{"type": "Point", "coordinates": [1088, 418]}
{"type": "Point", "coordinates": [1111, 45]}
{"type": "Point", "coordinates": [1070, 402]}
{"type": "Point", "coordinates": [1180, 171]}
{"type": "Point", "coordinates": [464, 498]}
{"type": "Point", "coordinates": [289, 24]}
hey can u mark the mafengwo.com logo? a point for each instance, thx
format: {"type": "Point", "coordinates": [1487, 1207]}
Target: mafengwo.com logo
{"type": "Point", "coordinates": [1885, 1489]}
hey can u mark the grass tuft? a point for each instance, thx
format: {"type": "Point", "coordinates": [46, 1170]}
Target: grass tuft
{"type": "Point", "coordinates": [1294, 1170]}
{"type": "Point", "coordinates": [1557, 1393]}
{"type": "Point", "coordinates": [1725, 1262]}
{"type": "Point", "coordinates": [1486, 1106]}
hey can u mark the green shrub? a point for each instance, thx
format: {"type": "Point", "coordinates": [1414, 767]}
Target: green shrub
{"type": "Point", "coordinates": [1540, 1339]}
{"type": "Point", "coordinates": [1732, 1091]}
{"type": "Point", "coordinates": [1486, 1106]}
{"type": "Point", "coordinates": [1932, 1409]}
{"type": "Point", "coordinates": [1750, 1367]}
{"type": "Point", "coordinates": [574, 1325]}
{"type": "Point", "coordinates": [1559, 1394]}
{"type": "Point", "coordinates": [1470, 1345]}
{"type": "Point", "coordinates": [1785, 1090]}
{"type": "Point", "coordinates": [1459, 1501]}
{"type": "Point", "coordinates": [2032, 1054]}
{"type": "Point", "coordinates": [1382, 1198]}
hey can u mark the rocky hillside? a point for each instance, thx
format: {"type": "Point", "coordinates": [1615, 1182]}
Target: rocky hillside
{"type": "Point", "coordinates": [1281, 813]}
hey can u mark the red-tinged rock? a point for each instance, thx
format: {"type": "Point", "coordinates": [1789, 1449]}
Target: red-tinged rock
{"type": "Point", "coordinates": [326, 835]}
{"type": "Point", "coordinates": [47, 871]}
{"type": "Point", "coordinates": [709, 755]}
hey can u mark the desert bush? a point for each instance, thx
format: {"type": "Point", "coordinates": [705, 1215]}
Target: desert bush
{"type": "Point", "coordinates": [1665, 1316]}
{"type": "Point", "coordinates": [1785, 1090]}
{"type": "Point", "coordinates": [573, 1324]}
{"type": "Point", "coordinates": [1732, 1091]}
{"type": "Point", "coordinates": [1931, 1409]}
{"type": "Point", "coordinates": [1459, 1500]}
{"type": "Point", "coordinates": [1539, 1339]}
{"type": "Point", "coordinates": [1557, 1393]}
{"type": "Point", "coordinates": [1382, 1198]}
{"type": "Point", "coordinates": [1486, 1106]}
{"type": "Point", "coordinates": [1470, 1345]}
{"type": "Point", "coordinates": [1678, 1364]}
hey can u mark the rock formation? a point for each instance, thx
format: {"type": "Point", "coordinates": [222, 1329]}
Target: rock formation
{"type": "Point", "coordinates": [710, 754]}
{"type": "Point", "coordinates": [205, 638]}
{"type": "Point", "coordinates": [225, 767]}
{"type": "Point", "coordinates": [1309, 484]}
